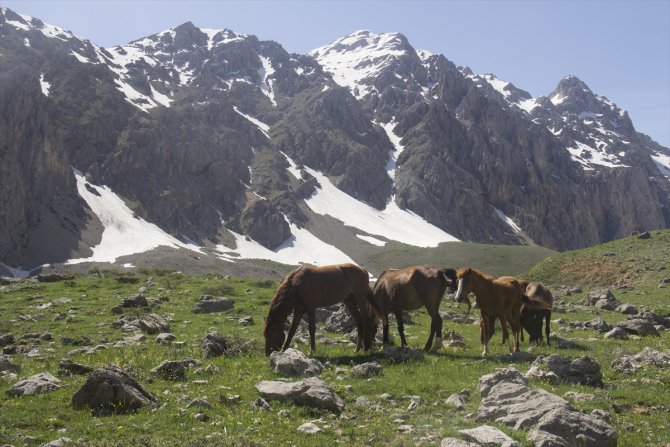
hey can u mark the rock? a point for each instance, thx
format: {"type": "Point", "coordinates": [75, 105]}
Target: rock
{"type": "Point", "coordinates": [605, 304]}
{"type": "Point", "coordinates": [647, 357]}
{"type": "Point", "coordinates": [516, 405]}
{"type": "Point", "coordinates": [652, 318]}
{"type": "Point", "coordinates": [597, 324]}
{"type": "Point", "coordinates": [617, 333]}
{"type": "Point", "coordinates": [170, 370]}
{"type": "Point", "coordinates": [208, 305]}
{"type": "Point", "coordinates": [583, 370]}
{"type": "Point", "coordinates": [165, 338]}
{"type": "Point", "coordinates": [455, 401]}
{"type": "Point", "coordinates": [564, 426]}
{"type": "Point", "coordinates": [638, 326]}
{"type": "Point", "coordinates": [454, 442]}
{"type": "Point", "coordinates": [201, 417]}
{"type": "Point", "coordinates": [310, 428]}
{"type": "Point", "coordinates": [135, 301]}
{"type": "Point", "coordinates": [489, 436]}
{"type": "Point", "coordinates": [6, 339]}
{"type": "Point", "coordinates": [579, 397]}
{"type": "Point", "coordinates": [213, 345]}
{"type": "Point", "coordinates": [294, 363]}
{"type": "Point", "coordinates": [43, 336]}
{"type": "Point", "coordinates": [488, 381]}
{"type": "Point", "coordinates": [200, 403]}
{"type": "Point", "coordinates": [261, 404]}
{"type": "Point", "coordinates": [246, 321]}
{"type": "Point", "coordinates": [365, 370]}
{"type": "Point", "coordinates": [69, 368]}
{"type": "Point", "coordinates": [604, 295]}
{"type": "Point", "coordinates": [37, 384]}
{"type": "Point", "coordinates": [151, 324]}
{"type": "Point", "coordinates": [453, 339]}
{"type": "Point", "coordinates": [340, 321]}
{"type": "Point", "coordinates": [7, 366]}
{"type": "Point", "coordinates": [414, 403]}
{"type": "Point", "coordinates": [110, 389]}
{"type": "Point", "coordinates": [563, 343]}
{"type": "Point", "coordinates": [645, 235]}
{"type": "Point", "coordinates": [311, 392]}
{"type": "Point", "coordinates": [53, 277]}
{"type": "Point", "coordinates": [627, 309]}
{"type": "Point", "coordinates": [128, 341]}
{"type": "Point", "coordinates": [401, 354]}
{"type": "Point", "coordinates": [80, 340]}
{"type": "Point", "coordinates": [60, 442]}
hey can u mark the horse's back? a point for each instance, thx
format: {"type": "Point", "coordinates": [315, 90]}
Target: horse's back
{"type": "Point", "coordinates": [540, 295]}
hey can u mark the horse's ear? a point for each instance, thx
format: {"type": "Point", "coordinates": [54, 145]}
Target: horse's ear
{"type": "Point", "coordinates": [469, 270]}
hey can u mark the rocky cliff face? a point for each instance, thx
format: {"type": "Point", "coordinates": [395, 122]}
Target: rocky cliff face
{"type": "Point", "coordinates": [199, 131]}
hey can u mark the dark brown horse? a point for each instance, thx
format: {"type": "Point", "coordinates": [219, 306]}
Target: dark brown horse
{"type": "Point", "coordinates": [537, 311]}
{"type": "Point", "coordinates": [306, 289]}
{"type": "Point", "coordinates": [499, 298]}
{"type": "Point", "coordinates": [409, 289]}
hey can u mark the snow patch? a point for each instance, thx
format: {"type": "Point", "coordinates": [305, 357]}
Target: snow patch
{"type": "Point", "coordinates": [261, 125]}
{"type": "Point", "coordinates": [557, 99]}
{"type": "Point", "coordinates": [124, 233]}
{"type": "Point", "coordinates": [391, 223]}
{"type": "Point", "coordinates": [498, 84]}
{"type": "Point", "coordinates": [527, 104]}
{"type": "Point", "coordinates": [507, 220]}
{"type": "Point", "coordinates": [80, 58]}
{"type": "Point", "coordinates": [44, 85]}
{"type": "Point", "coordinates": [265, 73]}
{"type": "Point", "coordinates": [371, 240]}
{"type": "Point", "coordinates": [588, 156]}
{"type": "Point", "coordinates": [662, 163]}
{"type": "Point", "coordinates": [160, 98]}
{"type": "Point", "coordinates": [397, 147]}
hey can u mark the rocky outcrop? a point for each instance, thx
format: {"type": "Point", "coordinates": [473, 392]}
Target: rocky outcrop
{"type": "Point", "coordinates": [310, 392]}
{"type": "Point", "coordinates": [292, 363]}
{"type": "Point", "coordinates": [37, 384]}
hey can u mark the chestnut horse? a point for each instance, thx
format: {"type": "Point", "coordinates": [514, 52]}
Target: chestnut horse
{"type": "Point", "coordinates": [409, 289]}
{"type": "Point", "coordinates": [499, 298]}
{"type": "Point", "coordinates": [537, 311]}
{"type": "Point", "coordinates": [306, 289]}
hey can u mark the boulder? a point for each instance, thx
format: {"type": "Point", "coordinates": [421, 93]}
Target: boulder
{"type": "Point", "coordinates": [654, 319]}
{"type": "Point", "coordinates": [489, 436]}
{"type": "Point", "coordinates": [488, 381]}
{"type": "Point", "coordinates": [111, 389]}
{"type": "Point", "coordinates": [617, 333]}
{"type": "Point", "coordinates": [647, 357]}
{"type": "Point", "coordinates": [365, 370]}
{"type": "Point", "coordinates": [37, 384]}
{"type": "Point", "coordinates": [638, 326]}
{"type": "Point", "coordinates": [598, 295]}
{"type": "Point", "coordinates": [246, 321]}
{"type": "Point", "coordinates": [209, 304]}
{"type": "Point", "coordinates": [294, 363]}
{"type": "Point", "coordinates": [151, 324]}
{"type": "Point", "coordinates": [77, 340]}
{"type": "Point", "coordinates": [7, 366]}
{"type": "Point", "coordinates": [455, 401]}
{"type": "Point", "coordinates": [67, 367]}
{"type": "Point", "coordinates": [401, 354]}
{"type": "Point", "coordinates": [309, 427]}
{"type": "Point", "coordinates": [565, 426]}
{"type": "Point", "coordinates": [455, 442]}
{"type": "Point", "coordinates": [165, 338]}
{"type": "Point", "coordinates": [6, 339]}
{"type": "Point", "coordinates": [135, 301]}
{"type": "Point", "coordinates": [583, 370]}
{"type": "Point", "coordinates": [311, 392]}
{"type": "Point", "coordinates": [627, 309]}
{"type": "Point", "coordinates": [170, 370]}
{"type": "Point", "coordinates": [606, 304]}
{"type": "Point", "coordinates": [340, 321]}
{"type": "Point", "coordinates": [213, 345]}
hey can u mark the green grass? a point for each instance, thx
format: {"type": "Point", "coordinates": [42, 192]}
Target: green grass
{"type": "Point", "coordinates": [644, 395]}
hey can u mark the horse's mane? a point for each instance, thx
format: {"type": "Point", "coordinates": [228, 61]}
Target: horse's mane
{"type": "Point", "coordinates": [464, 270]}
{"type": "Point", "coordinates": [280, 305]}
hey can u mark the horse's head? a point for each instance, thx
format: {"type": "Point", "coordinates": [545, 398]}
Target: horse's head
{"type": "Point", "coordinates": [464, 280]}
{"type": "Point", "coordinates": [274, 337]}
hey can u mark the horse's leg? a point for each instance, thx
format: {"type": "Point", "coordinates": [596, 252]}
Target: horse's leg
{"type": "Point", "coordinates": [386, 332]}
{"type": "Point", "coordinates": [295, 322]}
{"type": "Point", "coordinates": [547, 318]}
{"type": "Point", "coordinates": [435, 329]}
{"type": "Point", "coordinates": [353, 309]}
{"type": "Point", "coordinates": [484, 333]}
{"type": "Point", "coordinates": [401, 327]}
{"type": "Point", "coordinates": [311, 319]}
{"type": "Point", "coordinates": [505, 333]}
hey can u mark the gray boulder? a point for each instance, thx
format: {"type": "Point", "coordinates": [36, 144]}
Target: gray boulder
{"type": "Point", "coordinates": [564, 426]}
{"type": "Point", "coordinates": [489, 436]}
{"type": "Point", "coordinates": [213, 344]}
{"type": "Point", "coordinates": [135, 301]}
{"type": "Point", "coordinates": [617, 333]}
{"type": "Point", "coordinates": [647, 357]}
{"type": "Point", "coordinates": [488, 381]}
{"type": "Point", "coordinates": [151, 324]}
{"type": "Point", "coordinates": [170, 370]}
{"type": "Point", "coordinates": [627, 309]}
{"type": "Point", "coordinates": [6, 339]}
{"type": "Point", "coordinates": [311, 392]}
{"type": "Point", "coordinates": [294, 363]}
{"type": "Point", "coordinates": [67, 367]}
{"type": "Point", "coordinates": [208, 305]}
{"type": "Point", "coordinates": [340, 321]}
{"type": "Point", "coordinates": [401, 354]}
{"type": "Point", "coordinates": [7, 366]}
{"type": "Point", "coordinates": [37, 384]}
{"type": "Point", "coordinates": [455, 442]}
{"type": "Point", "coordinates": [165, 338]}
{"type": "Point", "coordinates": [638, 326]}
{"type": "Point", "coordinates": [110, 389]}
{"type": "Point", "coordinates": [583, 370]}
{"type": "Point", "coordinates": [365, 370]}
{"type": "Point", "coordinates": [456, 401]}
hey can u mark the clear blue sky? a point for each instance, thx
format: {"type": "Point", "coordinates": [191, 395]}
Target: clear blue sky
{"type": "Point", "coordinates": [621, 49]}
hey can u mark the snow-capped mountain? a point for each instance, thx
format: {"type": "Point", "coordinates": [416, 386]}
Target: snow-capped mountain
{"type": "Point", "coordinates": [220, 144]}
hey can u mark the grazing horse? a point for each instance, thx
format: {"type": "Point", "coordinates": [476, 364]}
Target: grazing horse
{"type": "Point", "coordinates": [409, 289]}
{"type": "Point", "coordinates": [306, 289]}
{"type": "Point", "coordinates": [499, 298]}
{"type": "Point", "coordinates": [537, 311]}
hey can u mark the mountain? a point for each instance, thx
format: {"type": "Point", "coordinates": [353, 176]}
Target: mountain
{"type": "Point", "coordinates": [221, 145]}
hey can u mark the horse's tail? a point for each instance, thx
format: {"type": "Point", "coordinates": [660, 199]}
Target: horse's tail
{"type": "Point", "coordinates": [280, 305]}
{"type": "Point", "coordinates": [449, 276]}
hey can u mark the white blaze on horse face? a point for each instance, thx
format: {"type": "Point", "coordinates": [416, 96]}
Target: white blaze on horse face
{"type": "Point", "coordinates": [460, 289]}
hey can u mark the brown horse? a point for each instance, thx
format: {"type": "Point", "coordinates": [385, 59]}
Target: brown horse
{"type": "Point", "coordinates": [537, 311]}
{"type": "Point", "coordinates": [499, 298]}
{"type": "Point", "coordinates": [306, 289]}
{"type": "Point", "coordinates": [409, 289]}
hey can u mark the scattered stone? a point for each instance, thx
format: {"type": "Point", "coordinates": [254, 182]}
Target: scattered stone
{"type": "Point", "coordinates": [311, 392]}
{"type": "Point", "coordinates": [454, 442]}
{"type": "Point", "coordinates": [401, 354]}
{"type": "Point", "coordinates": [340, 321]}
{"type": "Point", "coordinates": [647, 357]}
{"type": "Point", "coordinates": [638, 326]}
{"type": "Point", "coordinates": [165, 338]}
{"type": "Point", "coordinates": [200, 402]}
{"type": "Point", "coordinates": [294, 363]}
{"type": "Point", "coordinates": [170, 370]}
{"type": "Point", "coordinates": [565, 426]}
{"type": "Point", "coordinates": [455, 401]}
{"type": "Point", "coordinates": [488, 381]}
{"type": "Point", "coordinates": [151, 324]}
{"type": "Point", "coordinates": [564, 343]}
{"type": "Point", "coordinates": [605, 297]}
{"type": "Point", "coordinates": [209, 304]}
{"type": "Point", "coordinates": [44, 336]}
{"type": "Point", "coordinates": [37, 384]}
{"type": "Point", "coordinates": [365, 370]}
{"type": "Point", "coordinates": [111, 389]}
{"type": "Point", "coordinates": [453, 339]}
{"type": "Point", "coordinates": [213, 345]}
{"type": "Point", "coordinates": [69, 368]}
{"type": "Point", "coordinates": [246, 321]}
{"type": "Point", "coordinates": [414, 403]}
{"type": "Point", "coordinates": [583, 370]}
{"type": "Point", "coordinates": [310, 428]}
{"type": "Point", "coordinates": [606, 304]}
{"type": "Point", "coordinates": [7, 366]}
{"type": "Point", "coordinates": [6, 339]}
{"type": "Point", "coordinates": [80, 340]}
{"type": "Point", "coordinates": [135, 301]}
{"type": "Point", "coordinates": [405, 428]}
{"type": "Point", "coordinates": [645, 235]}
{"type": "Point", "coordinates": [617, 333]}
{"type": "Point", "coordinates": [627, 309]}
{"type": "Point", "coordinates": [487, 435]}
{"type": "Point", "coordinates": [201, 417]}
{"type": "Point", "coordinates": [261, 404]}
{"type": "Point", "coordinates": [60, 442]}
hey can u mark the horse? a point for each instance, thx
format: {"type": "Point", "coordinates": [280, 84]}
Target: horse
{"type": "Point", "coordinates": [499, 298]}
{"type": "Point", "coordinates": [537, 311]}
{"type": "Point", "coordinates": [309, 287]}
{"type": "Point", "coordinates": [410, 288]}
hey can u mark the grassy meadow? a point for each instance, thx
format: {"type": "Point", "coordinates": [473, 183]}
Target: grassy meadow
{"type": "Point", "coordinates": [639, 402]}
